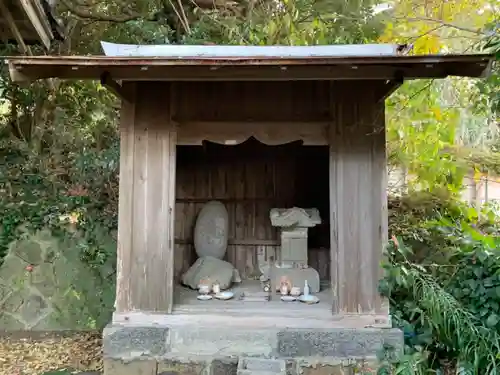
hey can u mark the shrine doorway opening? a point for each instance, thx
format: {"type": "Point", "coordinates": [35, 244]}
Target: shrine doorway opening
{"type": "Point", "coordinates": [250, 179]}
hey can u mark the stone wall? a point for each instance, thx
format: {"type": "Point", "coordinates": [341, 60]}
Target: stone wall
{"type": "Point", "coordinates": [28, 284]}
{"type": "Point", "coordinates": [44, 285]}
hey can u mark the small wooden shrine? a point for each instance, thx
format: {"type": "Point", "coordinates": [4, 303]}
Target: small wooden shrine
{"type": "Point", "coordinates": [259, 130]}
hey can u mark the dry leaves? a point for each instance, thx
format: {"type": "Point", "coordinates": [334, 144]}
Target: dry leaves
{"type": "Point", "coordinates": [78, 352]}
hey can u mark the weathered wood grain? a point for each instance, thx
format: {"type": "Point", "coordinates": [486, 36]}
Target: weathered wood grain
{"type": "Point", "coordinates": [358, 197]}
{"type": "Point", "coordinates": [147, 202]}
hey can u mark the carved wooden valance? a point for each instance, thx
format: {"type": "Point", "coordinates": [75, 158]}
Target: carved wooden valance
{"type": "Point", "coordinates": [269, 133]}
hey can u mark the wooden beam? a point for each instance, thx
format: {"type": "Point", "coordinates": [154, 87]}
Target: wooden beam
{"type": "Point", "coordinates": [25, 50]}
{"type": "Point", "coordinates": [178, 71]}
{"type": "Point", "coordinates": [268, 132]}
{"type": "Point", "coordinates": [390, 86]}
{"type": "Point", "coordinates": [44, 32]}
{"type": "Point", "coordinates": [113, 86]}
{"type": "Point", "coordinates": [235, 242]}
{"type": "Point", "coordinates": [225, 200]}
{"type": "Point", "coordinates": [17, 76]}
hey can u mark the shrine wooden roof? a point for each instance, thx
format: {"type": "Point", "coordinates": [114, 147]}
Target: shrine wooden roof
{"type": "Point", "coordinates": [292, 67]}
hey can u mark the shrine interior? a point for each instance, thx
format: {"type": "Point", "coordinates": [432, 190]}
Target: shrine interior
{"type": "Point", "coordinates": [250, 179]}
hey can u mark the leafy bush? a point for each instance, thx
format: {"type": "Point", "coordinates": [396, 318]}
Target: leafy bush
{"type": "Point", "coordinates": [445, 289]}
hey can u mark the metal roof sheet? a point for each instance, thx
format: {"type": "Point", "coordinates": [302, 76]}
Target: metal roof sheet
{"type": "Point", "coordinates": [219, 51]}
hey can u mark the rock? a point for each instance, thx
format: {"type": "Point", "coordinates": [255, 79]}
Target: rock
{"type": "Point", "coordinates": [34, 309]}
{"type": "Point", "coordinates": [12, 268]}
{"type": "Point", "coordinates": [36, 249]}
{"type": "Point", "coordinates": [211, 230]}
{"type": "Point", "coordinates": [294, 217]}
{"type": "Point", "coordinates": [213, 269]}
{"type": "Point", "coordinates": [28, 250]}
{"type": "Point", "coordinates": [44, 286]}
{"type": "Point", "coordinates": [11, 322]}
{"type": "Point", "coordinates": [297, 276]}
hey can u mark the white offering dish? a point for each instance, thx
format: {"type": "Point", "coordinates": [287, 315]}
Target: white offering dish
{"type": "Point", "coordinates": [204, 297]}
{"type": "Point", "coordinates": [288, 298]}
{"type": "Point", "coordinates": [224, 295]}
{"type": "Point", "coordinates": [309, 299]}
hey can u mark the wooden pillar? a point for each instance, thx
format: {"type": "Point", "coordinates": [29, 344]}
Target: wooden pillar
{"type": "Point", "coordinates": [147, 200]}
{"type": "Point", "coordinates": [358, 197]}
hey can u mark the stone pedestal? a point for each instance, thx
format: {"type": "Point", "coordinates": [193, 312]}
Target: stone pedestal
{"type": "Point", "coordinates": [294, 223]}
{"type": "Point", "coordinates": [220, 347]}
{"type": "Point", "coordinates": [294, 247]}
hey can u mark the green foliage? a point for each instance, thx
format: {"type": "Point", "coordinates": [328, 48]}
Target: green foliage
{"type": "Point", "coordinates": [420, 130]}
{"type": "Point", "coordinates": [71, 189]}
{"type": "Point", "coordinates": [291, 22]}
{"type": "Point", "coordinates": [90, 283]}
{"type": "Point", "coordinates": [490, 87]}
{"type": "Point", "coordinates": [445, 290]}
{"type": "Point", "coordinates": [428, 121]}
{"type": "Point", "coordinates": [38, 192]}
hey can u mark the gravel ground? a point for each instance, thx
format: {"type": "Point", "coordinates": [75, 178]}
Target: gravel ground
{"type": "Point", "coordinates": [32, 353]}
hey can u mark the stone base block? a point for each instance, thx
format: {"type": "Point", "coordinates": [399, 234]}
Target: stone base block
{"type": "Point", "coordinates": [128, 342]}
{"type": "Point", "coordinates": [229, 367]}
{"type": "Point", "coordinates": [185, 367]}
{"type": "Point", "coordinates": [337, 342]}
{"type": "Point", "coordinates": [261, 366]}
{"type": "Point", "coordinates": [133, 367]}
{"type": "Point", "coordinates": [201, 350]}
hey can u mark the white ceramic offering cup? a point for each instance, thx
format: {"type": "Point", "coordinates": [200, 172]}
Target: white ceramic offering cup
{"type": "Point", "coordinates": [295, 292]}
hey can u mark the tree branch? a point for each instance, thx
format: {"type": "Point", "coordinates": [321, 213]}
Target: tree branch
{"type": "Point", "coordinates": [87, 14]}
{"type": "Point", "coordinates": [444, 24]}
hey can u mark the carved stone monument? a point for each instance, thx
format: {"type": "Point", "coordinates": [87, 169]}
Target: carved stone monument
{"type": "Point", "coordinates": [210, 243]}
{"type": "Point", "coordinates": [294, 223]}
{"type": "Point", "coordinates": [211, 230]}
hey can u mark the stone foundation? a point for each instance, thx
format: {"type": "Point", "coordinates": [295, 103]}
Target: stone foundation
{"type": "Point", "coordinates": [229, 367]}
{"type": "Point", "coordinates": [208, 350]}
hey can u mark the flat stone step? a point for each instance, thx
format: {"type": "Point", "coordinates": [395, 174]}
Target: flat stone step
{"type": "Point", "coordinates": [261, 366]}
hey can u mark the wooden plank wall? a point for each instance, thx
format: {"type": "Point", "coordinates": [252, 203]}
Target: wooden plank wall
{"type": "Point", "coordinates": [250, 179]}
{"type": "Point", "coordinates": [147, 186]}
{"type": "Point", "coordinates": [358, 183]}
{"type": "Point", "coordinates": [252, 101]}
